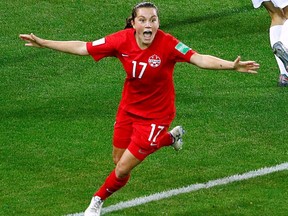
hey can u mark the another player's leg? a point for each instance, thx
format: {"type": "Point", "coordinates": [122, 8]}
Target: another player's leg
{"type": "Point", "coordinates": [284, 32]}
{"type": "Point", "coordinates": [283, 79]}
{"type": "Point", "coordinates": [274, 39]}
{"type": "Point", "coordinates": [282, 53]}
{"type": "Point", "coordinates": [276, 30]}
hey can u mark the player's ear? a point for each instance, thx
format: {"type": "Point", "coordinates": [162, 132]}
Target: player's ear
{"type": "Point", "coordinates": [132, 23]}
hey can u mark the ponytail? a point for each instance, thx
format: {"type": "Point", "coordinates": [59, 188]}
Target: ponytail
{"type": "Point", "coordinates": [128, 23]}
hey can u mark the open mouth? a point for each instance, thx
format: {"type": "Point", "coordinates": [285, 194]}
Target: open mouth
{"type": "Point", "coordinates": [147, 33]}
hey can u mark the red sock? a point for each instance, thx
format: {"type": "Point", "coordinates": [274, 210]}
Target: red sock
{"type": "Point", "coordinates": [165, 140]}
{"type": "Point", "coordinates": [111, 185]}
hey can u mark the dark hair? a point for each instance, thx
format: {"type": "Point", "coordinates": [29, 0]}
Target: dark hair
{"type": "Point", "coordinates": [134, 12]}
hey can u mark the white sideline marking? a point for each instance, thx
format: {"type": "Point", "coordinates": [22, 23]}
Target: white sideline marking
{"type": "Point", "coordinates": [190, 188]}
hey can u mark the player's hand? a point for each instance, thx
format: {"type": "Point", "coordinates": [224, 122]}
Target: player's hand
{"type": "Point", "coordinates": [32, 40]}
{"type": "Point", "coordinates": [246, 66]}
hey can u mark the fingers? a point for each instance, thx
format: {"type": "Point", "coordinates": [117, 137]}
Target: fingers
{"type": "Point", "coordinates": [28, 37]}
{"type": "Point", "coordinates": [252, 71]}
{"type": "Point", "coordinates": [31, 40]}
{"type": "Point", "coordinates": [246, 66]}
{"type": "Point", "coordinates": [25, 37]}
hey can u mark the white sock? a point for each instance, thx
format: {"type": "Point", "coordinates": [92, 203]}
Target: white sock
{"type": "Point", "coordinates": [275, 33]}
{"type": "Point", "coordinates": [284, 34]}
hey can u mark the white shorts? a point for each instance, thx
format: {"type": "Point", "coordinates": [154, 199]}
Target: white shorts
{"type": "Point", "coordinates": [277, 3]}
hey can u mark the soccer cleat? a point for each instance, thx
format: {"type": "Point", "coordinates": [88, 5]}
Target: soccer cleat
{"type": "Point", "coordinates": [282, 53]}
{"type": "Point", "coordinates": [283, 80]}
{"type": "Point", "coordinates": [94, 209]}
{"type": "Point", "coordinates": [177, 133]}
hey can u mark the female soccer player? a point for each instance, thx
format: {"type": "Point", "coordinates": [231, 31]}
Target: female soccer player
{"type": "Point", "coordinates": [278, 33]}
{"type": "Point", "coordinates": [147, 106]}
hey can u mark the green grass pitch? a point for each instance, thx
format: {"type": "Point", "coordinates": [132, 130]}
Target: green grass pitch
{"type": "Point", "coordinates": [57, 112]}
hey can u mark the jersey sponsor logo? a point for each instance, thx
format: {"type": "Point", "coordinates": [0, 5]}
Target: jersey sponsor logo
{"type": "Point", "coordinates": [154, 61]}
{"type": "Point", "coordinates": [182, 48]}
{"type": "Point", "coordinates": [98, 42]}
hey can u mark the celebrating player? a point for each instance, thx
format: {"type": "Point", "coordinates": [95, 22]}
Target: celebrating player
{"type": "Point", "coordinates": [147, 107]}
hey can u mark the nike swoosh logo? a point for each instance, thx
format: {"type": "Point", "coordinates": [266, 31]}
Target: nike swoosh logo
{"type": "Point", "coordinates": [125, 55]}
{"type": "Point", "coordinates": [109, 191]}
{"type": "Point", "coordinates": [142, 152]}
{"type": "Point", "coordinates": [153, 144]}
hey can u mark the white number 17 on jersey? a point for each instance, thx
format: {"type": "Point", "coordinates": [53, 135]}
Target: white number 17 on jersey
{"type": "Point", "coordinates": [143, 64]}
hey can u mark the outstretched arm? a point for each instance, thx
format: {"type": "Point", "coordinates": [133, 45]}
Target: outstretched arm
{"type": "Point", "coordinates": [212, 62]}
{"type": "Point", "coordinates": [72, 47]}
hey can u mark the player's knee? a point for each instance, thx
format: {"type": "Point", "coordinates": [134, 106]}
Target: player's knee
{"type": "Point", "coordinates": [116, 159]}
{"type": "Point", "coordinates": [285, 10]}
{"type": "Point", "coordinates": [121, 170]}
{"type": "Point", "coordinates": [117, 154]}
{"type": "Point", "coordinates": [278, 18]}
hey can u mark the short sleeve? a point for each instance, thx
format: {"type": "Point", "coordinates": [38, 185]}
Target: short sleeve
{"type": "Point", "coordinates": [181, 52]}
{"type": "Point", "coordinates": [101, 48]}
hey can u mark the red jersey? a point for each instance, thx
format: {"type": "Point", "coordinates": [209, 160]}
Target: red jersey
{"type": "Point", "coordinates": [149, 87]}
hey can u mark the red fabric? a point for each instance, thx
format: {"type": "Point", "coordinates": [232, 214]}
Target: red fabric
{"type": "Point", "coordinates": [149, 88]}
{"type": "Point", "coordinates": [141, 136]}
{"type": "Point", "coordinates": [111, 185]}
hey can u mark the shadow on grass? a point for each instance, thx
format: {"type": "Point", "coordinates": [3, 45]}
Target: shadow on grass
{"type": "Point", "coordinates": [208, 15]}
